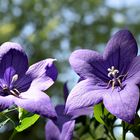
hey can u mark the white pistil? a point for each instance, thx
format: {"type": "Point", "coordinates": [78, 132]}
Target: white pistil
{"type": "Point", "coordinates": [14, 78]}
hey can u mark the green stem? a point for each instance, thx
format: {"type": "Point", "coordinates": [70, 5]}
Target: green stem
{"type": "Point", "coordinates": [13, 134]}
{"type": "Point", "coordinates": [109, 133]}
{"type": "Point", "coordinates": [91, 135]}
{"type": "Point", "coordinates": [110, 137]}
{"type": "Point", "coordinates": [112, 134]}
{"type": "Point", "coordinates": [124, 130]}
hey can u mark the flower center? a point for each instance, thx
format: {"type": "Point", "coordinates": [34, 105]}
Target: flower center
{"type": "Point", "coordinates": [116, 78]}
{"type": "Point", "coordinates": [112, 72]}
{"type": "Point", "coordinates": [11, 90]}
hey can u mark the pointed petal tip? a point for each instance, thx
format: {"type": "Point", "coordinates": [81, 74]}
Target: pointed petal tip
{"type": "Point", "coordinates": [125, 33]}
{"type": "Point", "coordinates": [54, 59]}
{"type": "Point", "coordinates": [51, 60]}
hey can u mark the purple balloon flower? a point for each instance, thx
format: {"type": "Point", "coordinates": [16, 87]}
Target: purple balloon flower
{"type": "Point", "coordinates": [112, 77]}
{"type": "Point", "coordinates": [61, 128]}
{"type": "Point", "coordinates": [23, 86]}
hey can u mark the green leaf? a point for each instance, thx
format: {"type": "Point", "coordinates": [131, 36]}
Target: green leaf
{"type": "Point", "coordinates": [98, 113]}
{"type": "Point", "coordinates": [26, 119]}
{"type": "Point", "coordinates": [102, 115]}
{"type": "Point", "coordinates": [27, 122]}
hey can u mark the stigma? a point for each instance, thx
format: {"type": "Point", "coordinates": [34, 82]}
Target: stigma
{"type": "Point", "coordinates": [112, 72]}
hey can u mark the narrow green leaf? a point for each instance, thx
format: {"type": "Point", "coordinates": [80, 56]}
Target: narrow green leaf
{"type": "Point", "coordinates": [4, 122]}
{"type": "Point", "coordinates": [102, 115]}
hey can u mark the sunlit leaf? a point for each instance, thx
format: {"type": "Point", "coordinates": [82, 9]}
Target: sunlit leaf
{"type": "Point", "coordinates": [27, 122]}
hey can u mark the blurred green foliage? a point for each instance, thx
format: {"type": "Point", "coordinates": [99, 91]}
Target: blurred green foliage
{"type": "Point", "coordinates": [54, 28]}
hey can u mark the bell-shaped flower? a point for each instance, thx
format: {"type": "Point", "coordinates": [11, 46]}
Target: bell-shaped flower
{"type": "Point", "coordinates": [23, 86]}
{"type": "Point", "coordinates": [111, 78]}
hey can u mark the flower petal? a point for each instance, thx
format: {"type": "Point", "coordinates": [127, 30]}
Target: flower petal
{"type": "Point", "coordinates": [61, 117]}
{"type": "Point", "coordinates": [12, 55]}
{"type": "Point", "coordinates": [24, 83]}
{"type": "Point", "coordinates": [123, 103]}
{"type": "Point", "coordinates": [37, 102]}
{"type": "Point", "coordinates": [43, 74]}
{"type": "Point", "coordinates": [63, 126]}
{"type": "Point", "coordinates": [60, 110]}
{"type": "Point", "coordinates": [88, 63]}
{"type": "Point", "coordinates": [133, 73]}
{"type": "Point", "coordinates": [8, 75]}
{"type": "Point", "coordinates": [120, 50]}
{"type": "Point", "coordinates": [6, 101]}
{"type": "Point", "coordinates": [82, 97]}
{"type": "Point", "coordinates": [52, 132]}
{"type": "Point", "coordinates": [67, 130]}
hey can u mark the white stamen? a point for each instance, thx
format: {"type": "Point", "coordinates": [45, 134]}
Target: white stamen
{"type": "Point", "coordinates": [14, 78]}
{"type": "Point", "coordinates": [16, 91]}
{"type": "Point", "coordinates": [113, 68]}
{"type": "Point", "coordinates": [4, 86]}
{"type": "Point", "coordinates": [109, 69]}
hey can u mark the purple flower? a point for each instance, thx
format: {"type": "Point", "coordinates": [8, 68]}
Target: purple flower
{"type": "Point", "coordinates": [61, 128]}
{"type": "Point", "coordinates": [112, 77]}
{"type": "Point", "coordinates": [23, 86]}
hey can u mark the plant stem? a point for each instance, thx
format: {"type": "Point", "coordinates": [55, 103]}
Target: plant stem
{"type": "Point", "coordinates": [112, 134]}
{"type": "Point", "coordinates": [124, 130]}
{"type": "Point", "coordinates": [13, 134]}
{"type": "Point", "coordinates": [109, 133]}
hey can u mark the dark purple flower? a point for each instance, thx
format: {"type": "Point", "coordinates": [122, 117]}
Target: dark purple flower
{"type": "Point", "coordinates": [112, 77]}
{"type": "Point", "coordinates": [23, 86]}
{"type": "Point", "coordinates": [61, 128]}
